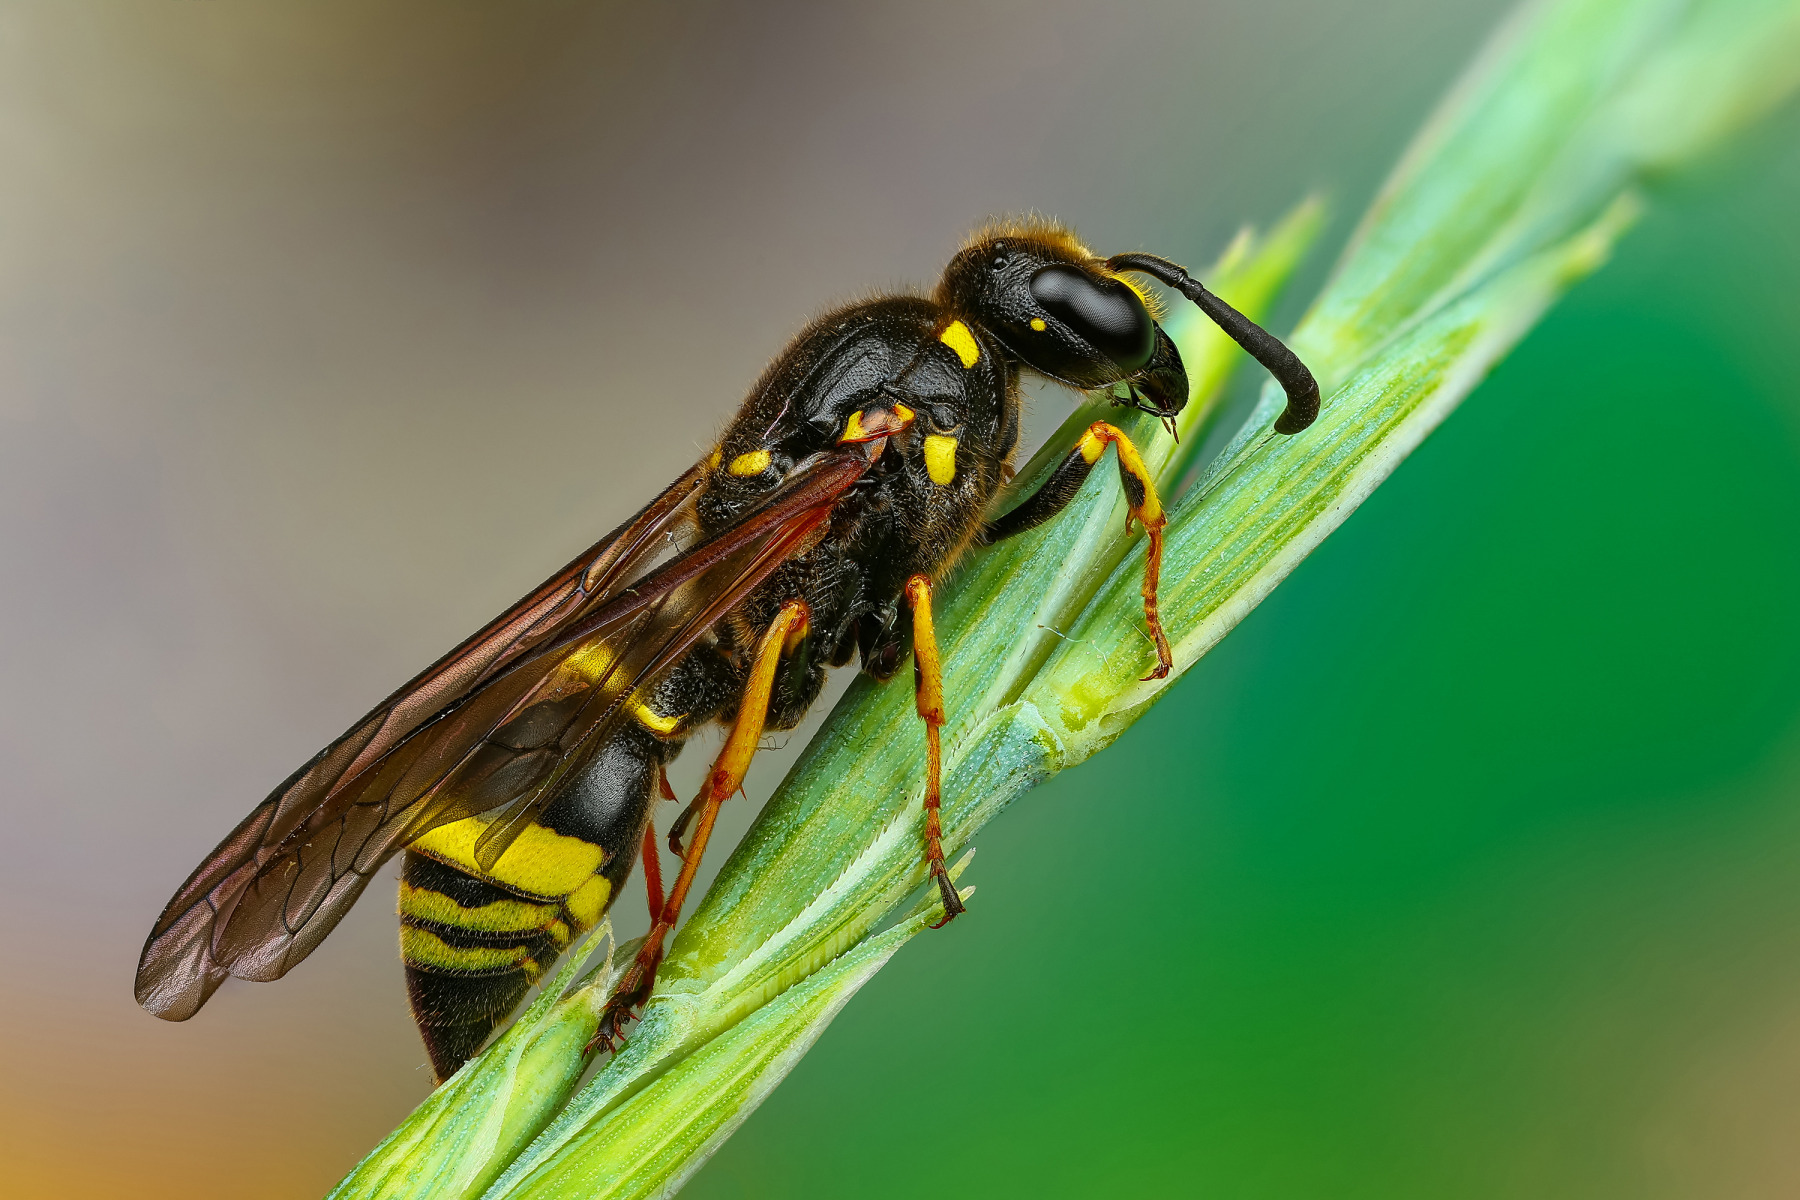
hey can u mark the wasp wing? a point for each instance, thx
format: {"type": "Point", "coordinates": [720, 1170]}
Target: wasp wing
{"type": "Point", "coordinates": [498, 722]}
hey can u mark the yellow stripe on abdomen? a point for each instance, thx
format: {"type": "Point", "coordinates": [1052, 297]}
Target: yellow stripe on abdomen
{"type": "Point", "coordinates": [587, 902]}
{"type": "Point", "coordinates": [424, 948]}
{"type": "Point", "coordinates": [540, 862]}
{"type": "Point", "coordinates": [501, 916]}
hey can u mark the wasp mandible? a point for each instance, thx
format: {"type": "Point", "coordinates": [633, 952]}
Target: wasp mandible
{"type": "Point", "coordinates": [518, 772]}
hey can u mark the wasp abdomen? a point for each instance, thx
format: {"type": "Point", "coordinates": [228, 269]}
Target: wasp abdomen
{"type": "Point", "coordinates": [472, 950]}
{"type": "Point", "coordinates": [476, 940]}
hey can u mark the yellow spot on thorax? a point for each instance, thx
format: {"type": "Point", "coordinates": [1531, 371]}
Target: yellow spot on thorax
{"type": "Point", "coordinates": [753, 463]}
{"type": "Point", "coordinates": [655, 722]}
{"type": "Point", "coordinates": [540, 862]}
{"type": "Point", "coordinates": [1037, 323]}
{"type": "Point", "coordinates": [940, 458]}
{"type": "Point", "coordinates": [713, 459]}
{"type": "Point", "coordinates": [959, 339]}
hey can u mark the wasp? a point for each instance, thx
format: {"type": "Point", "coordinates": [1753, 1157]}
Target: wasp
{"type": "Point", "coordinates": [518, 773]}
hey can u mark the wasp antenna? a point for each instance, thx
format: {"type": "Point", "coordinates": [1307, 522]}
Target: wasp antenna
{"type": "Point", "coordinates": [1298, 382]}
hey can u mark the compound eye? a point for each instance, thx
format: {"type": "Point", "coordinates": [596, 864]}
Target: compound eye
{"type": "Point", "coordinates": [1104, 313]}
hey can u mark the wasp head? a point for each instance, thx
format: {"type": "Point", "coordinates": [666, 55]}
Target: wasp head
{"type": "Point", "coordinates": [1059, 310]}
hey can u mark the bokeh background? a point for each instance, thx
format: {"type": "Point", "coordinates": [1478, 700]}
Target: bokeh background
{"type": "Point", "coordinates": [326, 330]}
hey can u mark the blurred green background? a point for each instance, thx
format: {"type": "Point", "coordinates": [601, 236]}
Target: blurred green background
{"type": "Point", "coordinates": [1468, 866]}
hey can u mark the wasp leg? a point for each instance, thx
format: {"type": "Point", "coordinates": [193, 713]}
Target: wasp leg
{"type": "Point", "coordinates": [928, 686]}
{"type": "Point", "coordinates": [678, 828]}
{"type": "Point", "coordinates": [1141, 505]}
{"type": "Point", "coordinates": [653, 884]}
{"type": "Point", "coordinates": [726, 777]}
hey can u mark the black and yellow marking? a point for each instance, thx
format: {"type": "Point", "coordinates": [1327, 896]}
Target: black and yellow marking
{"type": "Point", "coordinates": [428, 906]}
{"type": "Point", "coordinates": [658, 723]}
{"type": "Point", "coordinates": [940, 459]}
{"type": "Point", "coordinates": [956, 335]}
{"type": "Point", "coordinates": [751, 462]}
{"type": "Point", "coordinates": [475, 941]}
{"type": "Point", "coordinates": [472, 950]}
{"type": "Point", "coordinates": [879, 423]}
{"type": "Point", "coordinates": [1142, 505]}
{"type": "Point", "coordinates": [541, 862]}
{"type": "Point", "coordinates": [1072, 472]}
